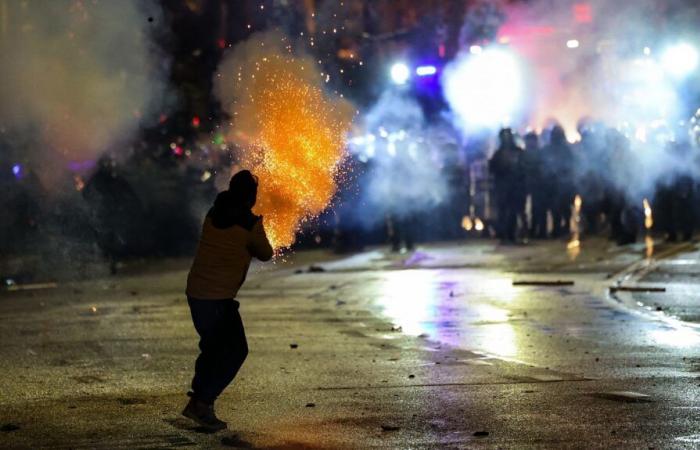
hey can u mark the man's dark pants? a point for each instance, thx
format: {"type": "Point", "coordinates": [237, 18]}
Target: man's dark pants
{"type": "Point", "coordinates": [222, 344]}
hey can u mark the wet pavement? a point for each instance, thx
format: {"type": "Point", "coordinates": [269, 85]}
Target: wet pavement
{"type": "Point", "coordinates": [433, 349]}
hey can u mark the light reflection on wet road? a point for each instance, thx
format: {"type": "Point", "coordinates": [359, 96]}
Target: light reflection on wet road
{"type": "Point", "coordinates": [560, 327]}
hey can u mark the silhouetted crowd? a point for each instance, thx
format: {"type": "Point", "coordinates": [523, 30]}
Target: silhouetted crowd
{"type": "Point", "coordinates": [539, 187]}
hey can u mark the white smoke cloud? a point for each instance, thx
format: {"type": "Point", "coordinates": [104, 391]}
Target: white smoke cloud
{"type": "Point", "coordinates": [81, 73]}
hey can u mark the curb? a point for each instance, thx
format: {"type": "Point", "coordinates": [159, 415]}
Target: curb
{"type": "Point", "coordinates": [627, 282]}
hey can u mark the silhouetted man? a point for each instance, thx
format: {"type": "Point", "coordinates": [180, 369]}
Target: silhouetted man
{"type": "Point", "coordinates": [559, 173]}
{"type": "Point", "coordinates": [506, 167]}
{"type": "Point", "coordinates": [231, 237]}
{"type": "Point", "coordinates": [534, 177]}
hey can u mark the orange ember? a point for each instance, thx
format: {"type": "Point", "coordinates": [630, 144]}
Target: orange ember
{"type": "Point", "coordinates": [291, 133]}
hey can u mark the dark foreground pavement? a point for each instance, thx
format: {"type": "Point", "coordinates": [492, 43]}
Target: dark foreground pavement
{"type": "Point", "coordinates": [437, 349]}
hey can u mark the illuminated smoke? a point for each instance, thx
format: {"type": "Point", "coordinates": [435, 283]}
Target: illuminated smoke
{"type": "Point", "coordinates": [484, 88]}
{"type": "Point", "coordinates": [404, 156]}
{"type": "Point", "coordinates": [291, 134]}
{"type": "Point", "coordinates": [80, 73]}
{"type": "Point", "coordinates": [599, 59]}
{"type": "Point", "coordinates": [594, 62]}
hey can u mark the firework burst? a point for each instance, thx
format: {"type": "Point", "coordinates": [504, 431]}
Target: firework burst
{"type": "Point", "coordinates": [291, 133]}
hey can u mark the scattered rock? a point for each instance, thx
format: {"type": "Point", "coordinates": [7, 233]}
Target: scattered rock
{"type": "Point", "coordinates": [235, 441]}
{"type": "Point", "coordinates": [340, 303]}
{"type": "Point", "coordinates": [293, 346]}
{"type": "Point", "coordinates": [396, 328]}
{"type": "Point", "coordinates": [298, 271]}
{"type": "Point", "coordinates": [333, 287]}
{"type": "Point", "coordinates": [390, 428]}
{"type": "Point", "coordinates": [316, 269]}
{"type": "Point", "coordinates": [658, 308]}
{"type": "Point", "coordinates": [8, 427]}
{"type": "Point", "coordinates": [481, 433]}
{"type": "Point", "coordinates": [423, 335]}
{"type": "Point", "coordinates": [134, 293]}
{"type": "Point", "coordinates": [130, 401]}
{"type": "Point", "coordinates": [311, 405]}
{"type": "Point", "coordinates": [624, 396]}
{"type": "Point", "coordinates": [411, 376]}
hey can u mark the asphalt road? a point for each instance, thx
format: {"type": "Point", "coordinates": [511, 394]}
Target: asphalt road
{"type": "Point", "coordinates": [434, 349]}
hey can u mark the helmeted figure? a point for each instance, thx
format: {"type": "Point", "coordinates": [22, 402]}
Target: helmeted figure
{"type": "Point", "coordinates": [558, 180]}
{"type": "Point", "coordinates": [115, 212]}
{"type": "Point", "coordinates": [507, 168]}
{"type": "Point", "coordinates": [535, 183]}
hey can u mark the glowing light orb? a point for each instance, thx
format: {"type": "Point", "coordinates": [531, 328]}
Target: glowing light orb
{"type": "Point", "coordinates": [680, 60]}
{"type": "Point", "coordinates": [400, 73]}
{"type": "Point", "coordinates": [484, 89]}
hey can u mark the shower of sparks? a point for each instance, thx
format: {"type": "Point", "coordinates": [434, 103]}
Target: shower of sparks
{"type": "Point", "coordinates": [291, 133]}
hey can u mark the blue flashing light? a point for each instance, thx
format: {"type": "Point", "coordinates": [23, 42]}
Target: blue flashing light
{"type": "Point", "coordinates": [425, 71]}
{"type": "Point", "coordinates": [17, 170]}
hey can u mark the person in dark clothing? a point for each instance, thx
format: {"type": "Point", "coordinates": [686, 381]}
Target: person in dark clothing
{"type": "Point", "coordinates": [231, 236]}
{"type": "Point", "coordinates": [506, 167]}
{"type": "Point", "coordinates": [115, 210]}
{"type": "Point", "coordinates": [589, 179]}
{"type": "Point", "coordinates": [620, 209]}
{"type": "Point", "coordinates": [559, 165]}
{"type": "Point", "coordinates": [676, 195]}
{"type": "Point", "coordinates": [534, 177]}
{"type": "Point", "coordinates": [402, 231]}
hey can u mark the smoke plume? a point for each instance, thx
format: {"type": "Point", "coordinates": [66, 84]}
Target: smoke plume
{"type": "Point", "coordinates": [405, 154]}
{"type": "Point", "coordinates": [82, 73]}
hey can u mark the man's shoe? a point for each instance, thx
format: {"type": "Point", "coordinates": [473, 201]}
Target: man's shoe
{"type": "Point", "coordinates": [203, 414]}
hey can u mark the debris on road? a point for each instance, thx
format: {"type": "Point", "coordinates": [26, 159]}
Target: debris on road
{"type": "Point", "coordinates": [390, 428]}
{"type": "Point", "coordinates": [312, 269]}
{"type": "Point", "coordinates": [481, 433]}
{"type": "Point", "coordinates": [543, 283]}
{"type": "Point", "coordinates": [235, 441]}
{"type": "Point", "coordinates": [130, 401]}
{"type": "Point", "coordinates": [614, 289]}
{"type": "Point", "coordinates": [30, 287]}
{"type": "Point", "coordinates": [311, 405]}
{"type": "Point", "coordinates": [624, 396]}
{"type": "Point", "coordinates": [293, 346]}
{"type": "Point", "coordinates": [8, 427]}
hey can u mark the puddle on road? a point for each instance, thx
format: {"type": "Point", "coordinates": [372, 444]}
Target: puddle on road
{"type": "Point", "coordinates": [421, 302]}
